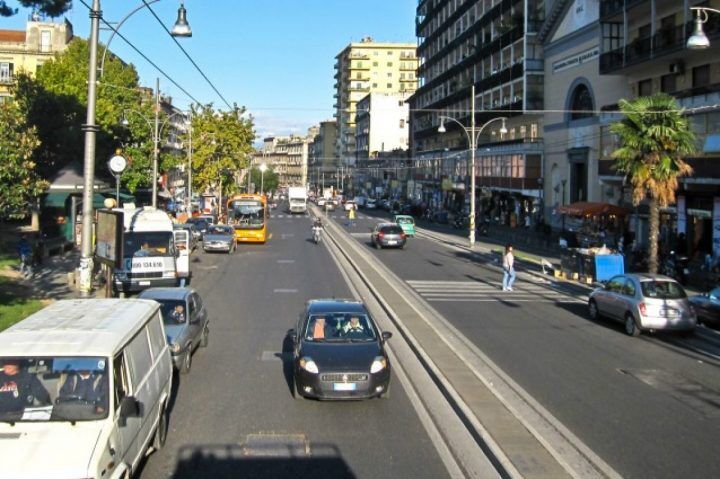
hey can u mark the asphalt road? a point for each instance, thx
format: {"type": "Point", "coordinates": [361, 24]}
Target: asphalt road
{"type": "Point", "coordinates": [234, 414]}
{"type": "Point", "coordinates": [650, 407]}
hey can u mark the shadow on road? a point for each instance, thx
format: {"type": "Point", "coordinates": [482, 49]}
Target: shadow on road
{"type": "Point", "coordinates": [286, 357]}
{"type": "Point", "coordinates": [266, 461]}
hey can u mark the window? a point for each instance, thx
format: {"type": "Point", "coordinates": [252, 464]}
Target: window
{"type": "Point", "coordinates": [6, 71]}
{"type": "Point", "coordinates": [121, 378]}
{"type": "Point", "coordinates": [389, 64]}
{"type": "Point", "coordinates": [667, 83]}
{"type": "Point", "coordinates": [629, 288]}
{"type": "Point", "coordinates": [45, 45]}
{"type": "Point", "coordinates": [389, 85]}
{"type": "Point", "coordinates": [374, 85]}
{"type": "Point", "coordinates": [389, 75]}
{"type": "Point", "coordinates": [701, 76]}
{"type": "Point", "coordinates": [139, 357]}
{"type": "Point", "coordinates": [581, 104]}
{"type": "Point", "coordinates": [157, 339]}
{"type": "Point", "coordinates": [645, 87]}
{"type": "Point", "coordinates": [375, 64]}
{"type": "Point", "coordinates": [402, 123]}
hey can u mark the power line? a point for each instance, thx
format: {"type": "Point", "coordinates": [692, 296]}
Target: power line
{"type": "Point", "coordinates": [142, 54]}
{"type": "Point", "coordinates": [187, 55]}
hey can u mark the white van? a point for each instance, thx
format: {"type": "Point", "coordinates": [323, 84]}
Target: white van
{"type": "Point", "coordinates": [149, 252]}
{"type": "Point", "coordinates": [83, 389]}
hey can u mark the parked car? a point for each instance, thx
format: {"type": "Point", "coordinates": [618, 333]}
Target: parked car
{"type": "Point", "coordinates": [339, 352]}
{"type": "Point", "coordinates": [388, 235]}
{"type": "Point", "coordinates": [406, 222]}
{"type": "Point", "coordinates": [371, 204]}
{"type": "Point", "coordinates": [360, 201]}
{"type": "Point", "coordinates": [220, 238]}
{"type": "Point", "coordinates": [707, 307]}
{"type": "Point", "coordinates": [643, 302]}
{"type": "Point", "coordinates": [186, 322]}
{"type": "Point", "coordinates": [201, 225]}
{"type": "Point", "coordinates": [102, 429]}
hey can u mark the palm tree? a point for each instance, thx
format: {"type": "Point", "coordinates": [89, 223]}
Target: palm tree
{"type": "Point", "coordinates": [655, 137]}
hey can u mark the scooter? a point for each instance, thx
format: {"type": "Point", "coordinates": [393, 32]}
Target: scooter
{"type": "Point", "coordinates": [317, 234]}
{"type": "Point", "coordinates": [459, 222]}
{"type": "Point", "coordinates": [483, 228]}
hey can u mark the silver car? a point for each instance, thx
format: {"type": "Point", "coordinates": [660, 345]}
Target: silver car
{"type": "Point", "coordinates": [220, 238]}
{"type": "Point", "coordinates": [386, 235]}
{"type": "Point", "coordinates": [644, 302]}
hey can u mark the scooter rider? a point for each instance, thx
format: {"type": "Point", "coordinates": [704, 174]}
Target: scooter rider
{"type": "Point", "coordinates": [317, 228]}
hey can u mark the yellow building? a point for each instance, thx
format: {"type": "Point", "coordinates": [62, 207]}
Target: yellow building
{"type": "Point", "coordinates": [369, 67]}
{"type": "Point", "coordinates": [26, 50]}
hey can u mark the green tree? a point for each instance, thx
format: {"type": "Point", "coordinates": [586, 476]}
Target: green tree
{"type": "Point", "coordinates": [222, 143]}
{"type": "Point", "coordinates": [655, 137]}
{"type": "Point", "coordinates": [19, 183]}
{"type": "Point", "coordinates": [268, 181]}
{"type": "Point", "coordinates": [53, 8]}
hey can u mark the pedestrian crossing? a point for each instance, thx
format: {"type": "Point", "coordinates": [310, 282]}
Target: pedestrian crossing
{"type": "Point", "coordinates": [479, 292]}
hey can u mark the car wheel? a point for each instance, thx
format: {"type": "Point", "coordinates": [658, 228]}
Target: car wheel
{"type": "Point", "coordinates": [378, 245]}
{"type": "Point", "coordinates": [631, 327]}
{"type": "Point", "coordinates": [386, 394]}
{"type": "Point", "coordinates": [187, 362]}
{"type": "Point", "coordinates": [296, 391]}
{"type": "Point", "coordinates": [594, 311]}
{"type": "Point", "coordinates": [205, 338]}
{"type": "Point", "coordinates": [161, 431]}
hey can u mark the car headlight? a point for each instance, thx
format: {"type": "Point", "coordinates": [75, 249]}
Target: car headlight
{"type": "Point", "coordinates": [308, 365]}
{"type": "Point", "coordinates": [174, 347]}
{"type": "Point", "coordinates": [378, 364]}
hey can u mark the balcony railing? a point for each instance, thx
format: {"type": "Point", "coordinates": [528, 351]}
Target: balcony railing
{"type": "Point", "coordinates": [507, 182]}
{"type": "Point", "coordinates": [6, 79]}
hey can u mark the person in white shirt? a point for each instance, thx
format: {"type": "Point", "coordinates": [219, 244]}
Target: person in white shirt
{"type": "Point", "coordinates": [508, 268]}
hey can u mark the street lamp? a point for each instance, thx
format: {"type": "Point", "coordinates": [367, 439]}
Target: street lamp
{"type": "Point", "coordinates": [698, 40]}
{"type": "Point", "coordinates": [263, 168]}
{"type": "Point", "coordinates": [472, 134]}
{"type": "Point", "coordinates": [90, 128]}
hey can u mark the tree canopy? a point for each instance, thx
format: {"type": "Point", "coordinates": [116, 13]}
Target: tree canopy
{"type": "Point", "coordinates": [53, 8]}
{"type": "Point", "coordinates": [268, 181]}
{"type": "Point", "coordinates": [20, 184]}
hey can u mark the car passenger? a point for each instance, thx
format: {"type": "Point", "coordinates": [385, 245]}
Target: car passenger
{"type": "Point", "coordinates": [87, 386]}
{"type": "Point", "coordinates": [319, 329]}
{"type": "Point", "coordinates": [19, 389]}
{"type": "Point", "coordinates": [178, 314]}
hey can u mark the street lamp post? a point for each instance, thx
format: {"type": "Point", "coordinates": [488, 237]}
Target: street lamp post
{"type": "Point", "coordinates": [91, 128]}
{"type": "Point", "coordinates": [472, 134]}
{"type": "Point", "coordinates": [698, 40]}
{"type": "Point", "coordinates": [263, 168]}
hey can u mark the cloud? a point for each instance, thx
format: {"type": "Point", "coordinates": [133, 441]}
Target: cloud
{"type": "Point", "coordinates": [268, 125]}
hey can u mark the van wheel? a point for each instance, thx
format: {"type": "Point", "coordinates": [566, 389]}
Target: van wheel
{"type": "Point", "coordinates": [161, 431]}
{"type": "Point", "coordinates": [631, 327]}
{"type": "Point", "coordinates": [205, 338]}
{"type": "Point", "coordinates": [187, 362]}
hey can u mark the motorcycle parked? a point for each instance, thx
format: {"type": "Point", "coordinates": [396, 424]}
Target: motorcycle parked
{"type": "Point", "coordinates": [676, 267]}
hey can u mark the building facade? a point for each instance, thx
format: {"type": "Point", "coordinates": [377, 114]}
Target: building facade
{"type": "Point", "coordinates": [323, 162]}
{"type": "Point", "coordinates": [368, 67]}
{"type": "Point", "coordinates": [26, 50]}
{"type": "Point", "coordinates": [493, 46]}
{"type": "Point", "coordinates": [645, 41]}
{"type": "Point", "coordinates": [288, 156]}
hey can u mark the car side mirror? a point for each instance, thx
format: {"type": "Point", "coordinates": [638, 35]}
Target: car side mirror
{"type": "Point", "coordinates": [129, 407]}
{"type": "Point", "coordinates": [386, 335]}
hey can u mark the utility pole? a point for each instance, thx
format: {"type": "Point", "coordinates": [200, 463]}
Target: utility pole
{"type": "Point", "coordinates": [157, 142]}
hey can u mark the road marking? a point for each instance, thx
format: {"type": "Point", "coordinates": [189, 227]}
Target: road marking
{"type": "Point", "coordinates": [473, 291]}
{"type": "Point", "coordinates": [286, 261]}
{"type": "Point", "coordinates": [270, 236]}
{"type": "Point", "coordinates": [285, 290]}
{"type": "Point", "coordinates": [360, 235]}
{"type": "Point", "coordinates": [287, 235]}
{"type": "Point", "coordinates": [208, 267]}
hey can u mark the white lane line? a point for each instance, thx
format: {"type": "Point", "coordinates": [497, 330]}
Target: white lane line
{"type": "Point", "coordinates": [286, 261]}
{"type": "Point", "coordinates": [287, 235]}
{"type": "Point", "coordinates": [280, 290]}
{"type": "Point", "coordinates": [503, 299]}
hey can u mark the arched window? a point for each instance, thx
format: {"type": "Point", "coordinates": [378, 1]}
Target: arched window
{"type": "Point", "coordinates": [582, 103]}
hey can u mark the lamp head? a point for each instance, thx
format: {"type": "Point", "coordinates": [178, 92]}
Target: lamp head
{"type": "Point", "coordinates": [503, 128]}
{"type": "Point", "coordinates": [698, 40]}
{"type": "Point", "coordinates": [263, 167]}
{"type": "Point", "coordinates": [182, 27]}
{"type": "Point", "coordinates": [441, 128]}
{"type": "Point", "coordinates": [124, 121]}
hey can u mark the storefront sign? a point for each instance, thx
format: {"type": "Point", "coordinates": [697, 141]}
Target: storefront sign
{"type": "Point", "coordinates": [716, 227]}
{"type": "Point", "coordinates": [576, 60]}
{"type": "Point", "coordinates": [681, 215]}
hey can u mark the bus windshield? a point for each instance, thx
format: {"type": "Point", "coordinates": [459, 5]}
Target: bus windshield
{"type": "Point", "coordinates": [248, 213]}
{"type": "Point", "coordinates": [148, 243]}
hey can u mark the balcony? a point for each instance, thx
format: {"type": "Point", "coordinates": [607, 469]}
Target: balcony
{"type": "Point", "coordinates": [508, 183]}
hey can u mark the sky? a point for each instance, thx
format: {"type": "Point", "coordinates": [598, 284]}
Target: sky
{"type": "Point", "coordinates": [275, 57]}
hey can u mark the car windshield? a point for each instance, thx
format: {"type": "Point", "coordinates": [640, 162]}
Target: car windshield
{"type": "Point", "coordinates": [44, 389]}
{"type": "Point", "coordinates": [221, 230]}
{"type": "Point", "coordinates": [662, 290]}
{"type": "Point", "coordinates": [391, 230]}
{"type": "Point", "coordinates": [173, 311]}
{"type": "Point", "coordinates": [148, 243]}
{"type": "Point", "coordinates": [339, 327]}
{"type": "Point", "coordinates": [405, 221]}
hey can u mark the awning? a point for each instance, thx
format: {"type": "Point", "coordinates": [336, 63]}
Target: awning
{"type": "Point", "coordinates": [56, 199]}
{"type": "Point", "coordinates": [584, 208]}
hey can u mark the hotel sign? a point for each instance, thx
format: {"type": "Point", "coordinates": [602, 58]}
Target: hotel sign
{"type": "Point", "coordinates": [576, 60]}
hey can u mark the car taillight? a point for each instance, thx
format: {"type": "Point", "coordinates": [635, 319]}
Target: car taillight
{"type": "Point", "coordinates": [381, 234]}
{"type": "Point", "coordinates": [643, 309]}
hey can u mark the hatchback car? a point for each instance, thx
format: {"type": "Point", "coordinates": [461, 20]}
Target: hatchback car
{"type": "Point", "coordinates": [644, 302]}
{"type": "Point", "coordinates": [186, 322]}
{"type": "Point", "coordinates": [407, 223]}
{"type": "Point", "coordinates": [220, 238]}
{"type": "Point", "coordinates": [339, 352]}
{"type": "Point", "coordinates": [707, 307]}
{"type": "Point", "coordinates": [201, 225]}
{"type": "Point", "coordinates": [385, 235]}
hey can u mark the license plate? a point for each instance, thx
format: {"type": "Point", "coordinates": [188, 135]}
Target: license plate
{"type": "Point", "coordinates": [144, 283]}
{"type": "Point", "coordinates": [392, 242]}
{"type": "Point", "coordinates": [670, 313]}
{"type": "Point", "coordinates": [344, 386]}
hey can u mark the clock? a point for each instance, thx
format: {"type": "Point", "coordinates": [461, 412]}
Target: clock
{"type": "Point", "coordinates": [117, 164]}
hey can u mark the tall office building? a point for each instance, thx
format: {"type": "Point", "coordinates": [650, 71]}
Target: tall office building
{"type": "Point", "coordinates": [368, 67]}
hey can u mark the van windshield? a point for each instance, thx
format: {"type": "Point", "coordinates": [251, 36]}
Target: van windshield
{"type": "Point", "coordinates": [148, 243]}
{"type": "Point", "coordinates": [44, 389]}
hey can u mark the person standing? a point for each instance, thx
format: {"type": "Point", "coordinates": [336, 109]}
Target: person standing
{"type": "Point", "coordinates": [508, 268]}
{"type": "Point", "coordinates": [351, 216]}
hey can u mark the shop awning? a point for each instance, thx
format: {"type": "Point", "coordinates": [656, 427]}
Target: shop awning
{"type": "Point", "coordinates": [585, 208]}
{"type": "Point", "coordinates": [57, 199]}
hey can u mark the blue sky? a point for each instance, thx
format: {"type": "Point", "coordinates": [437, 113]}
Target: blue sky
{"type": "Point", "coordinates": [276, 57]}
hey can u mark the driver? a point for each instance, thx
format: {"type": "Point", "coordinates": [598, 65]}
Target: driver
{"type": "Point", "coordinates": [87, 386]}
{"type": "Point", "coordinates": [317, 223]}
{"type": "Point", "coordinates": [18, 388]}
{"type": "Point", "coordinates": [353, 327]}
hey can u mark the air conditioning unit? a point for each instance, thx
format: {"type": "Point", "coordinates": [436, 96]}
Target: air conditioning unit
{"type": "Point", "coordinates": [677, 67]}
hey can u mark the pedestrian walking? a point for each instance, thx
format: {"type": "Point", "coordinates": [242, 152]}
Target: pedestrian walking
{"type": "Point", "coordinates": [351, 216]}
{"type": "Point", "coordinates": [508, 268]}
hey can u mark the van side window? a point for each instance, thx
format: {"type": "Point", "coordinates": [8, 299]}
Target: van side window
{"type": "Point", "coordinates": [120, 379]}
{"type": "Point", "coordinates": [139, 357]}
{"type": "Point", "coordinates": [157, 338]}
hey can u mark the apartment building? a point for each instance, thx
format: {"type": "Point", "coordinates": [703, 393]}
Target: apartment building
{"type": "Point", "coordinates": [646, 42]}
{"type": "Point", "coordinates": [323, 162]}
{"type": "Point", "coordinates": [368, 67]}
{"type": "Point", "coordinates": [493, 45]}
{"type": "Point", "coordinates": [288, 157]}
{"type": "Point", "coordinates": [26, 50]}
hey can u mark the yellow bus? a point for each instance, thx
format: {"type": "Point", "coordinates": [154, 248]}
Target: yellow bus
{"type": "Point", "coordinates": [248, 214]}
